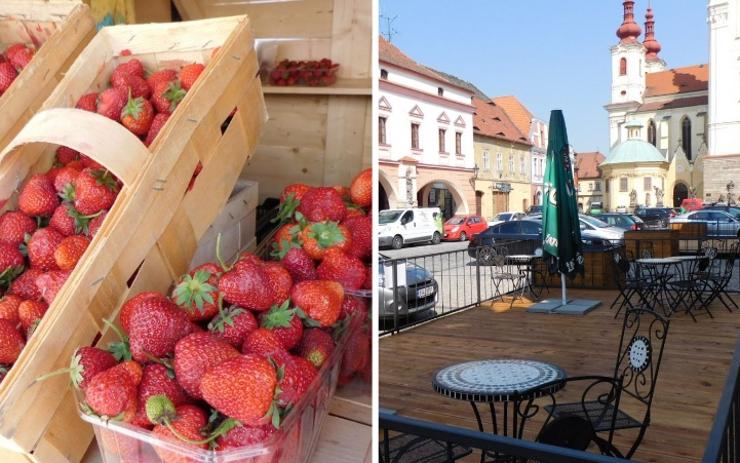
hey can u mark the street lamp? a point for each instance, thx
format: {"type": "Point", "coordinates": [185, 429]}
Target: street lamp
{"type": "Point", "coordinates": [476, 169]}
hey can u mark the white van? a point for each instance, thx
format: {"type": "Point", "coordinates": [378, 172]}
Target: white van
{"type": "Point", "coordinates": [397, 227]}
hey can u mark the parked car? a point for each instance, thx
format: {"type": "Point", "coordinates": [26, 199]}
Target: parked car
{"type": "Point", "coordinates": [719, 223]}
{"type": "Point", "coordinates": [692, 204]}
{"type": "Point", "coordinates": [623, 221]}
{"type": "Point", "coordinates": [534, 210]}
{"type": "Point", "coordinates": [462, 227]}
{"type": "Point", "coordinates": [418, 294]}
{"type": "Point", "coordinates": [655, 217]}
{"type": "Point", "coordinates": [507, 217]}
{"type": "Point", "coordinates": [734, 211]}
{"type": "Point", "coordinates": [595, 231]}
{"type": "Point", "coordinates": [519, 236]}
{"type": "Point", "coordinates": [397, 227]}
{"type": "Point", "coordinates": [596, 208]}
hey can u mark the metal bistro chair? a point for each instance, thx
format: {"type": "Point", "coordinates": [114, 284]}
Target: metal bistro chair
{"type": "Point", "coordinates": [716, 282]}
{"type": "Point", "coordinates": [640, 353]}
{"type": "Point", "coordinates": [628, 282]}
{"type": "Point", "coordinates": [502, 273]}
{"type": "Point", "coordinates": [687, 287]}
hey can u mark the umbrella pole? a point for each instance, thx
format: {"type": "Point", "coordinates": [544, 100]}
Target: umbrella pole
{"type": "Point", "coordinates": [562, 289]}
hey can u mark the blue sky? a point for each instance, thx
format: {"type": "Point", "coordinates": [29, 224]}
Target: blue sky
{"type": "Point", "coordinates": [551, 54]}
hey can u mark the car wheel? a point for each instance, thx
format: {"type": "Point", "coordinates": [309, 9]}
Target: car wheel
{"type": "Point", "coordinates": [463, 236]}
{"type": "Point", "coordinates": [436, 238]}
{"type": "Point", "coordinates": [397, 242]}
{"type": "Point", "coordinates": [485, 255]}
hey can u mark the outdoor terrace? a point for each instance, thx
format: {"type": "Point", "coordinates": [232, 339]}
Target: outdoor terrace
{"type": "Point", "coordinates": [691, 380]}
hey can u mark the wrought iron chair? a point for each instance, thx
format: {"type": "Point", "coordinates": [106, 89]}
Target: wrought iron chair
{"type": "Point", "coordinates": [717, 282]}
{"type": "Point", "coordinates": [407, 447]}
{"type": "Point", "coordinates": [628, 283]}
{"type": "Point", "coordinates": [503, 272]}
{"type": "Point", "coordinates": [687, 287]}
{"type": "Point", "coordinates": [640, 353]}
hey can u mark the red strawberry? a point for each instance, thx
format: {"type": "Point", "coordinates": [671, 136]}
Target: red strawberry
{"type": "Point", "coordinates": [166, 96]}
{"type": "Point", "coordinates": [88, 102]}
{"type": "Point", "coordinates": [247, 285]}
{"type": "Point", "coordinates": [285, 323]}
{"type": "Point", "coordinates": [343, 268]}
{"type": "Point", "coordinates": [241, 388]}
{"type": "Point", "coordinates": [233, 325]}
{"type": "Point", "coordinates": [189, 74]}
{"type": "Point", "coordinates": [111, 101]}
{"type": "Point", "coordinates": [124, 315]}
{"type": "Point", "coordinates": [137, 115]}
{"type": "Point", "coordinates": [243, 436]}
{"type": "Point", "coordinates": [196, 292]}
{"type": "Point", "coordinates": [298, 374]}
{"type": "Point", "coordinates": [21, 57]}
{"type": "Point", "coordinates": [11, 342]}
{"type": "Point", "coordinates": [285, 237]}
{"type": "Point", "coordinates": [14, 226]}
{"type": "Point", "coordinates": [7, 76]}
{"type": "Point", "coordinates": [361, 231]}
{"type": "Point", "coordinates": [25, 285]}
{"type": "Point", "coordinates": [30, 314]}
{"type": "Point", "coordinates": [67, 221]}
{"type": "Point", "coordinates": [320, 300]}
{"type": "Point", "coordinates": [41, 247]}
{"type": "Point", "coordinates": [11, 262]}
{"type": "Point", "coordinates": [95, 190]}
{"type": "Point", "coordinates": [87, 362]}
{"type": "Point", "coordinates": [155, 326]}
{"type": "Point", "coordinates": [299, 264]}
{"type": "Point", "coordinates": [9, 308]}
{"type": "Point", "coordinates": [188, 422]}
{"type": "Point", "coordinates": [322, 203]}
{"type": "Point", "coordinates": [131, 67]}
{"type": "Point", "coordinates": [14, 49]}
{"type": "Point", "coordinates": [263, 342]}
{"type": "Point", "coordinates": [343, 191]}
{"type": "Point", "coordinates": [50, 283]}
{"type": "Point", "coordinates": [70, 250]}
{"type": "Point", "coordinates": [158, 122]}
{"type": "Point", "coordinates": [89, 163]}
{"type": "Point", "coordinates": [280, 281]}
{"type": "Point", "coordinates": [38, 196]}
{"type": "Point", "coordinates": [66, 155]}
{"type": "Point", "coordinates": [64, 182]}
{"type": "Point", "coordinates": [316, 346]}
{"type": "Point", "coordinates": [133, 85]}
{"type": "Point", "coordinates": [297, 190]}
{"type": "Point", "coordinates": [111, 393]}
{"type": "Point", "coordinates": [361, 189]}
{"type": "Point", "coordinates": [356, 355]}
{"type": "Point", "coordinates": [157, 379]}
{"type": "Point", "coordinates": [354, 308]}
{"type": "Point", "coordinates": [318, 237]}
{"type": "Point", "coordinates": [163, 75]}
{"type": "Point", "coordinates": [96, 223]}
{"type": "Point", "coordinates": [195, 354]}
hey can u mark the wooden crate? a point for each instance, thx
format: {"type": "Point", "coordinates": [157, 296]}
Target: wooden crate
{"type": "Point", "coordinates": [152, 230]}
{"type": "Point", "coordinates": [660, 243]}
{"type": "Point", "coordinates": [599, 273]}
{"type": "Point", "coordinates": [110, 12]}
{"type": "Point", "coordinates": [59, 30]}
{"type": "Point", "coordinates": [687, 231]}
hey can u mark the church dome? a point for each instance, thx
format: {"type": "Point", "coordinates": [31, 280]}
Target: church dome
{"type": "Point", "coordinates": [633, 151]}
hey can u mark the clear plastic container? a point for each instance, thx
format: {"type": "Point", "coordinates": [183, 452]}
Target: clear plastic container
{"type": "Point", "coordinates": [294, 442]}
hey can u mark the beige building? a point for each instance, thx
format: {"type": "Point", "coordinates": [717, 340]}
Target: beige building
{"type": "Point", "coordinates": [590, 184]}
{"type": "Point", "coordinates": [503, 161]}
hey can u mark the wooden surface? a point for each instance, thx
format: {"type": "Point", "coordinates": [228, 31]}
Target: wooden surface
{"type": "Point", "coordinates": [694, 368]}
{"type": "Point", "coordinates": [342, 87]}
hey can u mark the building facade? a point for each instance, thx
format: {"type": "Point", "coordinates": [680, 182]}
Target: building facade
{"type": "Point", "coordinates": [590, 184]}
{"type": "Point", "coordinates": [425, 137]}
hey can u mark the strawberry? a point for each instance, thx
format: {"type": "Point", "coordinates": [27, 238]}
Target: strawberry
{"type": "Point", "coordinates": [38, 196]}
{"type": "Point", "coordinates": [158, 122]}
{"type": "Point", "coordinates": [67, 221]}
{"type": "Point", "coordinates": [50, 283]}
{"type": "Point", "coordinates": [197, 353]}
{"type": "Point", "coordinates": [157, 379]}
{"type": "Point", "coordinates": [166, 96]}
{"type": "Point", "coordinates": [233, 325]}
{"type": "Point", "coordinates": [356, 355]}
{"type": "Point", "coordinates": [124, 315]}
{"type": "Point", "coordinates": [88, 102]}
{"type": "Point", "coordinates": [21, 57]}
{"type": "Point", "coordinates": [30, 314]}
{"type": "Point", "coordinates": [133, 85]}
{"type": "Point", "coordinates": [163, 75]}
{"type": "Point", "coordinates": [322, 203]}
{"type": "Point", "coordinates": [241, 388]}
{"type": "Point", "coordinates": [316, 346]}
{"type": "Point", "coordinates": [297, 190]}
{"type": "Point", "coordinates": [137, 115]}
{"type": "Point", "coordinates": [41, 247]}
{"type": "Point", "coordinates": [89, 163]}
{"type": "Point", "coordinates": [9, 308]}
{"type": "Point", "coordinates": [354, 308]}
{"type": "Point", "coordinates": [243, 436]}
{"type": "Point", "coordinates": [196, 292]}
{"type": "Point", "coordinates": [14, 226]}
{"type": "Point", "coordinates": [64, 182]}
{"type": "Point", "coordinates": [299, 264]}
{"type": "Point", "coordinates": [280, 281]}
{"type": "Point", "coordinates": [11, 342]}
{"type": "Point", "coordinates": [285, 323]}
{"type": "Point", "coordinates": [95, 190]}
{"type": "Point", "coordinates": [156, 324]}
{"type": "Point", "coordinates": [320, 300]}
{"type": "Point", "coordinates": [70, 250]}
{"type": "Point", "coordinates": [354, 211]}
{"type": "Point", "coordinates": [96, 223]}
{"type": "Point", "coordinates": [361, 231]}
{"type": "Point", "coordinates": [247, 285]}
{"type": "Point", "coordinates": [25, 285]}
{"type": "Point", "coordinates": [318, 237]}
{"type": "Point", "coordinates": [133, 369]}
{"type": "Point", "coordinates": [263, 342]}
{"type": "Point", "coordinates": [343, 268]}
{"type": "Point", "coordinates": [7, 76]}
{"type": "Point", "coordinates": [131, 67]}
{"type": "Point", "coordinates": [87, 362]}
{"type": "Point", "coordinates": [361, 188]}
{"type": "Point", "coordinates": [111, 101]}
{"type": "Point", "coordinates": [298, 374]}
{"type": "Point", "coordinates": [14, 49]}
{"type": "Point", "coordinates": [285, 237]}
{"type": "Point", "coordinates": [189, 74]}
{"type": "Point", "coordinates": [111, 393]}
{"type": "Point", "coordinates": [187, 423]}
{"type": "Point", "coordinates": [11, 262]}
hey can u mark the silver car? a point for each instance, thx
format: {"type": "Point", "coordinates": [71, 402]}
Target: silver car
{"type": "Point", "coordinates": [418, 294]}
{"type": "Point", "coordinates": [719, 223]}
{"type": "Point", "coordinates": [593, 229]}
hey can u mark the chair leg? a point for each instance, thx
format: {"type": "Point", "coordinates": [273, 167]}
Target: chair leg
{"type": "Point", "coordinates": [638, 441]}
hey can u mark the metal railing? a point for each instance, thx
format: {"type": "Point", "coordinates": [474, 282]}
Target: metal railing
{"type": "Point", "coordinates": [724, 438]}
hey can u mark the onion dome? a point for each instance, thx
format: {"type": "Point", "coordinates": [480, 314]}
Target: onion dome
{"type": "Point", "coordinates": [629, 31]}
{"type": "Point", "coordinates": [651, 45]}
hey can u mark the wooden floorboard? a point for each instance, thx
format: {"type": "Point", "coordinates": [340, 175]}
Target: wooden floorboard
{"type": "Point", "coordinates": [693, 372]}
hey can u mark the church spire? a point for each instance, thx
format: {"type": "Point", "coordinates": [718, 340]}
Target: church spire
{"type": "Point", "coordinates": [629, 31]}
{"type": "Point", "coordinates": [651, 44]}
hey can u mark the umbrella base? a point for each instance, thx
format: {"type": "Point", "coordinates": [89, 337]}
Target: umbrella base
{"type": "Point", "coordinates": [571, 307]}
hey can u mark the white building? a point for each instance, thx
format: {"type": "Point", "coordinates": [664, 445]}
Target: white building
{"type": "Point", "coordinates": [425, 136]}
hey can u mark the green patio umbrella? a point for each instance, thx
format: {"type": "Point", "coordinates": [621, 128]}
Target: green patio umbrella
{"type": "Point", "coordinates": [561, 230]}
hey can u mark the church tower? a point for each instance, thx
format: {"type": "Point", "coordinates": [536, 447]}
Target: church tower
{"type": "Point", "coordinates": [628, 60]}
{"type": "Point", "coordinates": [652, 47]}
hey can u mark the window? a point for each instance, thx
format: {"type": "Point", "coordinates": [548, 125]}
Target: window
{"type": "Point", "coordinates": [623, 67]}
{"type": "Point", "coordinates": [458, 143]}
{"type": "Point", "coordinates": [664, 132]}
{"type": "Point", "coordinates": [647, 184]}
{"type": "Point", "coordinates": [440, 91]}
{"type": "Point", "coordinates": [382, 136]}
{"type": "Point", "coordinates": [509, 228]}
{"type": "Point", "coordinates": [511, 164]}
{"type": "Point", "coordinates": [651, 132]}
{"type": "Point", "coordinates": [597, 186]}
{"type": "Point", "coordinates": [522, 167]}
{"type": "Point", "coordinates": [686, 136]}
{"type": "Point", "coordinates": [530, 228]}
{"type": "Point", "coordinates": [415, 136]}
{"type": "Point", "coordinates": [623, 184]}
{"type": "Point", "coordinates": [383, 73]}
{"type": "Point", "coordinates": [442, 141]}
{"type": "Point", "coordinates": [499, 163]}
{"type": "Point", "coordinates": [486, 161]}
{"type": "Point", "coordinates": [590, 186]}
{"type": "Point", "coordinates": [408, 217]}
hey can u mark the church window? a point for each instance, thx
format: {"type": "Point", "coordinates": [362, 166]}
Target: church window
{"type": "Point", "coordinates": [651, 132]}
{"type": "Point", "coordinates": [623, 184]}
{"type": "Point", "coordinates": [623, 67]}
{"type": "Point", "coordinates": [686, 137]}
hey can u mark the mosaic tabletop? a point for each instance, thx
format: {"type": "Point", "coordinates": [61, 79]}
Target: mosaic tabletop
{"type": "Point", "coordinates": [495, 380]}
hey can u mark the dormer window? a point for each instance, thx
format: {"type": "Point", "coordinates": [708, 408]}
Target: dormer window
{"type": "Point", "coordinates": [440, 91]}
{"type": "Point", "coordinates": [384, 74]}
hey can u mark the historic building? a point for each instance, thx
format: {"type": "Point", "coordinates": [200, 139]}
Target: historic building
{"type": "Point", "coordinates": [425, 137]}
{"type": "Point", "coordinates": [536, 131]}
{"type": "Point", "coordinates": [588, 175]}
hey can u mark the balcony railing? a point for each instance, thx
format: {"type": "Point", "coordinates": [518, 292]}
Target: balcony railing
{"type": "Point", "coordinates": [724, 437]}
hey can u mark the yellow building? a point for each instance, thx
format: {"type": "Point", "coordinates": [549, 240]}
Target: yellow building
{"type": "Point", "coordinates": [503, 161]}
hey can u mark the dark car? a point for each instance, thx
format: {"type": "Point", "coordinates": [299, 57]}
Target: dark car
{"type": "Point", "coordinates": [519, 237]}
{"type": "Point", "coordinates": [623, 221]}
{"type": "Point", "coordinates": [734, 211]}
{"type": "Point", "coordinates": [534, 210]}
{"type": "Point", "coordinates": [418, 294]}
{"type": "Point", "coordinates": [655, 217]}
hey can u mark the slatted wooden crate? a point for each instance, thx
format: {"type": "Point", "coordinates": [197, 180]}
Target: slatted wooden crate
{"type": "Point", "coordinates": [659, 243]}
{"type": "Point", "coordinates": [59, 30]}
{"type": "Point", "coordinates": [154, 225]}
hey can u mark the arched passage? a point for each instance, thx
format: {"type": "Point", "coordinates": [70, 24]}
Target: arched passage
{"type": "Point", "coordinates": [680, 192]}
{"type": "Point", "coordinates": [444, 195]}
{"type": "Point", "coordinates": [387, 197]}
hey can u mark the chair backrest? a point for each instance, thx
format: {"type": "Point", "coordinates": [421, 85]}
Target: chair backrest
{"type": "Point", "coordinates": [498, 257]}
{"type": "Point", "coordinates": [644, 333]}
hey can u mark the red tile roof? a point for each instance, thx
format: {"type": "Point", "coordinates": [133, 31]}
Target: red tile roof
{"type": "Point", "coordinates": [389, 53]}
{"type": "Point", "coordinates": [491, 120]}
{"type": "Point", "coordinates": [518, 113]}
{"type": "Point", "coordinates": [679, 80]}
{"type": "Point", "coordinates": [587, 164]}
{"type": "Point", "coordinates": [675, 103]}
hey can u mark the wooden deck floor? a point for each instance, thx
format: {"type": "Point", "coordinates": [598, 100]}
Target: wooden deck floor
{"type": "Point", "coordinates": [694, 368]}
